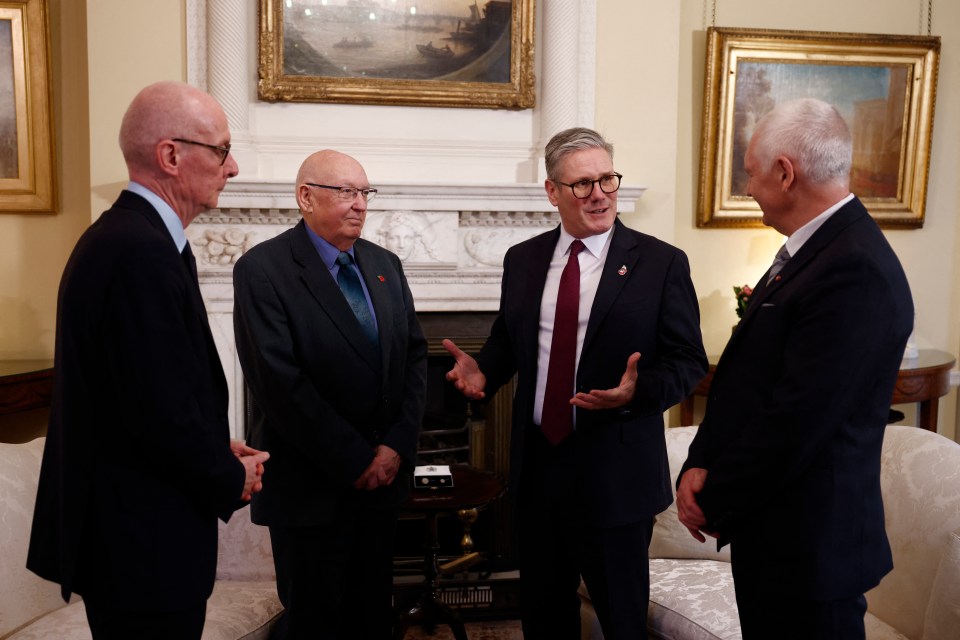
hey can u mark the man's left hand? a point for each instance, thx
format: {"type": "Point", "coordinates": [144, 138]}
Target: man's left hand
{"type": "Point", "coordinates": [614, 398]}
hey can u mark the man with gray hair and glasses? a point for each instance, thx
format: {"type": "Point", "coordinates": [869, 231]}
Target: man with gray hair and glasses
{"type": "Point", "coordinates": [601, 325]}
{"type": "Point", "coordinates": [786, 464]}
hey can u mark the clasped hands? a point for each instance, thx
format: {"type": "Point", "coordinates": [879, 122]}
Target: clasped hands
{"type": "Point", "coordinates": [381, 471]}
{"type": "Point", "coordinates": [468, 379]}
{"type": "Point", "coordinates": [252, 461]}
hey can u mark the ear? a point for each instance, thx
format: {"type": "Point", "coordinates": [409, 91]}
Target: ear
{"type": "Point", "coordinates": [785, 173]}
{"type": "Point", "coordinates": [167, 158]}
{"type": "Point", "coordinates": [553, 193]}
{"type": "Point", "coordinates": [303, 198]}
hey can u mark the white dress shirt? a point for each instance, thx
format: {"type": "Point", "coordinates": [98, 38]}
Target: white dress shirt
{"type": "Point", "coordinates": [591, 261]}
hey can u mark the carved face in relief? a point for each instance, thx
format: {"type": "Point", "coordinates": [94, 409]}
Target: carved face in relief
{"type": "Point", "coordinates": [399, 237]}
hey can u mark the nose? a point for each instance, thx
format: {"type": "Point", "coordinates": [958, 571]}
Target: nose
{"type": "Point", "coordinates": [231, 166]}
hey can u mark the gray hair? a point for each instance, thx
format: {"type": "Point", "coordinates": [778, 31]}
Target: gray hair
{"type": "Point", "coordinates": [568, 141]}
{"type": "Point", "coordinates": [812, 134]}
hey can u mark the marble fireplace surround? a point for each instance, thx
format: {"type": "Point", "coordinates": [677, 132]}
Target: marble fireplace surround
{"type": "Point", "coordinates": [451, 238]}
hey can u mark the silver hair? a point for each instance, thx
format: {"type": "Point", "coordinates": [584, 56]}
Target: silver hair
{"type": "Point", "coordinates": [812, 134]}
{"type": "Point", "coordinates": [568, 141]}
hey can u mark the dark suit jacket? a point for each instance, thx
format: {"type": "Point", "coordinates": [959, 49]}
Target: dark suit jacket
{"type": "Point", "coordinates": [322, 397]}
{"type": "Point", "coordinates": [137, 464]}
{"type": "Point", "coordinates": [652, 308]}
{"type": "Point", "coordinates": [797, 408]}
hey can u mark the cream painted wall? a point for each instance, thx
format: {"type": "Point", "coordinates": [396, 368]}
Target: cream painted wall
{"type": "Point", "coordinates": [121, 62]}
{"type": "Point", "coordinates": [649, 95]}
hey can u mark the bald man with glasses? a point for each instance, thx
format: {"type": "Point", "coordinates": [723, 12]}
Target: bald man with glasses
{"type": "Point", "coordinates": [335, 361]}
{"type": "Point", "coordinates": [138, 463]}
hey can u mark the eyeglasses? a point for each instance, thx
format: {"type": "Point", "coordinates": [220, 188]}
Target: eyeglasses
{"type": "Point", "coordinates": [583, 188]}
{"type": "Point", "coordinates": [347, 193]}
{"type": "Point", "coordinates": [223, 151]}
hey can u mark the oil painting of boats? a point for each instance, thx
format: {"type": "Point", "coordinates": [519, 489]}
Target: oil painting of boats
{"type": "Point", "coordinates": [369, 39]}
{"type": "Point", "coordinates": [474, 53]}
{"type": "Point", "coordinates": [435, 52]}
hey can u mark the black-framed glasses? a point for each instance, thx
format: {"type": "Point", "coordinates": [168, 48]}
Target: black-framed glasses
{"type": "Point", "coordinates": [223, 151]}
{"type": "Point", "coordinates": [347, 193]}
{"type": "Point", "coordinates": [583, 188]}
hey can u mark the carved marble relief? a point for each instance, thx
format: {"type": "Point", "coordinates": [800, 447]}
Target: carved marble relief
{"type": "Point", "coordinates": [420, 239]}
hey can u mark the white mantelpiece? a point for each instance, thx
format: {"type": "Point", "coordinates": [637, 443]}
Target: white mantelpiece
{"type": "Point", "coordinates": [451, 238]}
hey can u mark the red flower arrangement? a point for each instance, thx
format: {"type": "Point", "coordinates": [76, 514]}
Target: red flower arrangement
{"type": "Point", "coordinates": [743, 297]}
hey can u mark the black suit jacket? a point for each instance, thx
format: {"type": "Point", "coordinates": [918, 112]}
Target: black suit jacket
{"type": "Point", "coordinates": [645, 302]}
{"type": "Point", "coordinates": [322, 397]}
{"type": "Point", "coordinates": [797, 408]}
{"type": "Point", "coordinates": [137, 464]}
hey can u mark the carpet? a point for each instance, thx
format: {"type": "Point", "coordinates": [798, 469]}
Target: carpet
{"type": "Point", "coordinates": [493, 630]}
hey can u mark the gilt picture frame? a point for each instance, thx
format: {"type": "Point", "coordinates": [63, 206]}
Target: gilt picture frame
{"type": "Point", "coordinates": [883, 85]}
{"type": "Point", "coordinates": [27, 157]}
{"type": "Point", "coordinates": [435, 53]}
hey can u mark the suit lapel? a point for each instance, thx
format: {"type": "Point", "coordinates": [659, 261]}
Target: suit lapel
{"type": "Point", "coordinates": [621, 257]}
{"type": "Point", "coordinates": [822, 238]}
{"type": "Point", "coordinates": [324, 290]}
{"type": "Point", "coordinates": [532, 274]}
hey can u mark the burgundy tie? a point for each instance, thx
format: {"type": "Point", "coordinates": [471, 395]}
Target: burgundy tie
{"type": "Point", "coordinates": [557, 419]}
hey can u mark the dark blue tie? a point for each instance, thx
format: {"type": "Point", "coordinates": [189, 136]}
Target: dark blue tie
{"type": "Point", "coordinates": [349, 283]}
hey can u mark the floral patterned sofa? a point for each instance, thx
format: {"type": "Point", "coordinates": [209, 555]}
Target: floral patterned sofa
{"type": "Point", "coordinates": [244, 603]}
{"type": "Point", "coordinates": [691, 586]}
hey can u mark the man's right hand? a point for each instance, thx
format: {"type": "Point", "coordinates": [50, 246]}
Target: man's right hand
{"type": "Point", "coordinates": [465, 375]}
{"type": "Point", "coordinates": [688, 511]}
{"type": "Point", "coordinates": [253, 465]}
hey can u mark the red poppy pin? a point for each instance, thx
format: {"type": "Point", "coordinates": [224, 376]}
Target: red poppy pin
{"type": "Point", "coordinates": [381, 279]}
{"type": "Point", "coordinates": [623, 270]}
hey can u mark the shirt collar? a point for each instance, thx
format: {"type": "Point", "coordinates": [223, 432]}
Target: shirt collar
{"type": "Point", "coordinates": [593, 244]}
{"type": "Point", "coordinates": [328, 252]}
{"type": "Point", "coordinates": [170, 220]}
{"type": "Point", "coordinates": [801, 235]}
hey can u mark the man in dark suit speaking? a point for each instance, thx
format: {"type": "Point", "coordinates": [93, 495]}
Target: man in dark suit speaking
{"type": "Point", "coordinates": [601, 324]}
{"type": "Point", "coordinates": [138, 462]}
{"type": "Point", "coordinates": [786, 464]}
{"type": "Point", "coordinates": [335, 360]}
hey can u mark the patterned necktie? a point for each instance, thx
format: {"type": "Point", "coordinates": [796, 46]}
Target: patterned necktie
{"type": "Point", "coordinates": [349, 283]}
{"type": "Point", "coordinates": [556, 423]}
{"type": "Point", "coordinates": [187, 254]}
{"type": "Point", "coordinates": [778, 261]}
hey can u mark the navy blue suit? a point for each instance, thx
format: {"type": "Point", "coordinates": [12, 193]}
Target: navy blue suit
{"type": "Point", "coordinates": [795, 417]}
{"type": "Point", "coordinates": [323, 397]}
{"type": "Point", "coordinates": [137, 464]}
{"type": "Point", "coordinates": [613, 471]}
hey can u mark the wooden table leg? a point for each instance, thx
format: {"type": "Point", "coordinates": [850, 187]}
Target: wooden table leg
{"type": "Point", "coordinates": [928, 414]}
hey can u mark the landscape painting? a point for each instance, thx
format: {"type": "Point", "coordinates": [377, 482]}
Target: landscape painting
{"type": "Point", "coordinates": [883, 85]}
{"type": "Point", "coordinates": [9, 166]}
{"type": "Point", "coordinates": [870, 98]}
{"type": "Point", "coordinates": [417, 52]}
